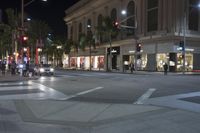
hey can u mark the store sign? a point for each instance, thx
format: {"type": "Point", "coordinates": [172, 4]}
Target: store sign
{"type": "Point", "coordinates": [114, 50]}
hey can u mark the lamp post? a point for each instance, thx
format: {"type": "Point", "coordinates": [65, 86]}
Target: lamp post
{"type": "Point", "coordinates": [58, 47]}
{"type": "Point", "coordinates": [23, 5]}
{"type": "Point", "coordinates": [124, 12]}
{"type": "Point", "coordinates": [184, 34]}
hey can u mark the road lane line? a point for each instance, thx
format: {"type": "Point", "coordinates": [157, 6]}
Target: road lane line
{"type": "Point", "coordinates": [145, 96]}
{"type": "Point", "coordinates": [81, 93]}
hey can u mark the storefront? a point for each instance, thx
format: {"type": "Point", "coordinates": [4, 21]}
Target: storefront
{"type": "Point", "coordinates": [115, 53]}
{"type": "Point", "coordinates": [161, 59]}
{"type": "Point", "coordinates": [188, 62]}
{"type": "Point", "coordinates": [73, 62]}
{"type": "Point", "coordinates": [84, 61]}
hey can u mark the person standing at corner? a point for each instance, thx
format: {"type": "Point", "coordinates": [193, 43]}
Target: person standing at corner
{"type": "Point", "coordinates": [165, 68]}
{"type": "Point", "coordinates": [132, 67]}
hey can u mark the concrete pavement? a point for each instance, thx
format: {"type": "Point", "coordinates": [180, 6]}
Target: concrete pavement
{"type": "Point", "coordinates": [66, 116]}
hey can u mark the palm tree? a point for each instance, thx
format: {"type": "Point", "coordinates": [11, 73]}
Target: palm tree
{"type": "Point", "coordinates": [108, 29]}
{"type": "Point", "coordinates": [37, 31]}
{"type": "Point", "coordinates": [87, 40]}
{"type": "Point", "coordinates": [68, 46]}
{"type": "Point", "coordinates": [6, 40]}
{"type": "Point", "coordinates": [14, 23]}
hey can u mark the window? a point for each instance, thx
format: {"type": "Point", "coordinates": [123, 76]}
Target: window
{"type": "Point", "coordinates": [100, 20]}
{"type": "Point", "coordinates": [89, 24]}
{"type": "Point", "coordinates": [79, 30]}
{"type": "Point", "coordinates": [71, 33]}
{"type": "Point", "coordinates": [89, 30]}
{"type": "Point", "coordinates": [131, 18]}
{"type": "Point", "coordinates": [152, 15]}
{"type": "Point", "coordinates": [113, 14]}
{"type": "Point", "coordinates": [99, 24]}
{"type": "Point", "coordinates": [193, 15]}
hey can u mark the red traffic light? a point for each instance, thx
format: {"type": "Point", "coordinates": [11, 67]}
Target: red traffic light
{"type": "Point", "coordinates": [25, 38]}
{"type": "Point", "coordinates": [138, 47]}
{"type": "Point", "coordinates": [116, 24]}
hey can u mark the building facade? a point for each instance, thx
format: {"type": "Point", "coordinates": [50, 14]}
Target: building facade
{"type": "Point", "coordinates": [159, 26]}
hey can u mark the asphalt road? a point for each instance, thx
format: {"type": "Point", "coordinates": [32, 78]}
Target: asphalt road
{"type": "Point", "coordinates": [119, 88]}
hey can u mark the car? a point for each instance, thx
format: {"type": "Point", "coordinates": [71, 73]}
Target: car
{"type": "Point", "coordinates": [46, 69]}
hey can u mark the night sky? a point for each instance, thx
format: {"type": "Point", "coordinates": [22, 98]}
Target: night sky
{"type": "Point", "coordinates": [52, 11]}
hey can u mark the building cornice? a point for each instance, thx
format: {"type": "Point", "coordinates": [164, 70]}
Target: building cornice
{"type": "Point", "coordinates": [83, 7]}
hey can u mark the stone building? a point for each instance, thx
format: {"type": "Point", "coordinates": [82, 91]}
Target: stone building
{"type": "Point", "coordinates": [160, 27]}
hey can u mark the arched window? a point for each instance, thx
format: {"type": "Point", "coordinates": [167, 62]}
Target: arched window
{"type": "Point", "coordinates": [152, 15]}
{"type": "Point", "coordinates": [99, 24]}
{"type": "Point", "coordinates": [131, 17]}
{"type": "Point", "coordinates": [89, 28]}
{"type": "Point", "coordinates": [100, 20]}
{"type": "Point", "coordinates": [113, 14]}
{"type": "Point", "coordinates": [80, 28]}
{"type": "Point", "coordinates": [71, 33]}
{"type": "Point", "coordinates": [193, 15]}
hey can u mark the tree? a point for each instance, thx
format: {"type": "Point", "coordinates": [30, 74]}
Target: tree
{"type": "Point", "coordinates": [8, 38]}
{"type": "Point", "coordinates": [68, 46]}
{"type": "Point", "coordinates": [37, 30]}
{"type": "Point", "coordinates": [5, 39]}
{"type": "Point", "coordinates": [108, 29]}
{"type": "Point", "coordinates": [87, 40]}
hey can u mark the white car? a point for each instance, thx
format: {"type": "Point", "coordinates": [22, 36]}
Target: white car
{"type": "Point", "coordinates": [46, 69]}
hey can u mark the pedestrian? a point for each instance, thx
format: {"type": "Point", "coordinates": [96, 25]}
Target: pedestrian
{"type": "Point", "coordinates": [27, 68]}
{"type": "Point", "coordinates": [165, 68]}
{"type": "Point", "coordinates": [132, 67]}
{"type": "Point", "coordinates": [13, 67]}
{"type": "Point", "coordinates": [3, 68]}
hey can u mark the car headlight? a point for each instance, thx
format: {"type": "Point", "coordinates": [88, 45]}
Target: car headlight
{"type": "Point", "coordinates": [51, 69]}
{"type": "Point", "coordinates": [41, 69]}
{"type": "Point", "coordinates": [20, 66]}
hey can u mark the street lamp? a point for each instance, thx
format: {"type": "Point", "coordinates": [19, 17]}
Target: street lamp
{"type": "Point", "coordinates": [23, 5]}
{"type": "Point", "coordinates": [124, 12]}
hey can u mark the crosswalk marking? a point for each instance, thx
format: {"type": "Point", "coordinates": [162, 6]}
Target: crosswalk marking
{"type": "Point", "coordinates": [28, 90]}
{"type": "Point", "coordinates": [145, 96]}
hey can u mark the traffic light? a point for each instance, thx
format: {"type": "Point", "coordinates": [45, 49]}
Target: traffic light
{"type": "Point", "coordinates": [24, 40]}
{"type": "Point", "coordinates": [181, 45]}
{"type": "Point", "coordinates": [116, 24]}
{"type": "Point", "coordinates": [138, 47]}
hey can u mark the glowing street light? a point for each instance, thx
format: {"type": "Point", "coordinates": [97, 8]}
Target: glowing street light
{"type": "Point", "coordinates": [123, 12]}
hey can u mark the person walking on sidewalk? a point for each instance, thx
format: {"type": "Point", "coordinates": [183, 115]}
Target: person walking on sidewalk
{"type": "Point", "coordinates": [165, 68]}
{"type": "Point", "coordinates": [3, 68]}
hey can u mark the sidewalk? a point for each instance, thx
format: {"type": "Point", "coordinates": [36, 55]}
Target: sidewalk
{"type": "Point", "coordinates": [134, 72]}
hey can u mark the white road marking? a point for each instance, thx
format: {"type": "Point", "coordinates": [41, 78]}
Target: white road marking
{"type": "Point", "coordinates": [81, 93]}
{"type": "Point", "coordinates": [44, 92]}
{"type": "Point", "coordinates": [145, 96]}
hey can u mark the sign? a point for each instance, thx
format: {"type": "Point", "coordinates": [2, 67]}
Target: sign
{"type": "Point", "coordinates": [114, 50]}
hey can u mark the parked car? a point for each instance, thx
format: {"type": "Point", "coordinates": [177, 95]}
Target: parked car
{"type": "Point", "coordinates": [46, 69]}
